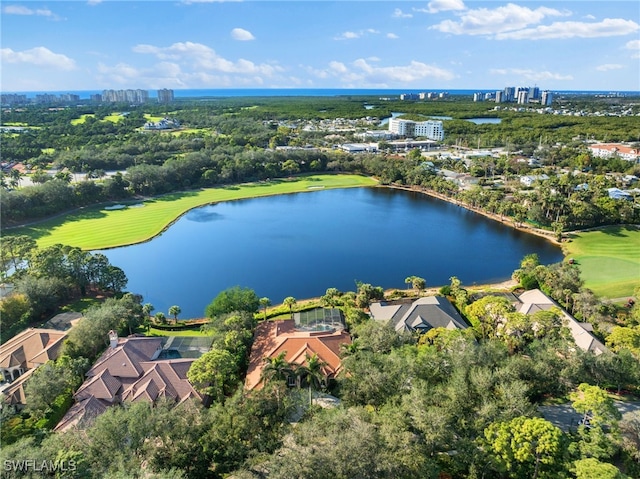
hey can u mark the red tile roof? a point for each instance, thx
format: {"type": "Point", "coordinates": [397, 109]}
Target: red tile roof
{"type": "Point", "coordinates": [31, 348]}
{"type": "Point", "coordinates": [130, 372]}
{"type": "Point", "coordinates": [275, 337]}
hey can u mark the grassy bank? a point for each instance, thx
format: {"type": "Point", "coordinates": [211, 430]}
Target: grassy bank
{"type": "Point", "coordinates": [609, 259]}
{"type": "Point", "coordinates": [100, 227]}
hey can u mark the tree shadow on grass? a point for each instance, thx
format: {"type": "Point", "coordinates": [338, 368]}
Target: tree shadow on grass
{"type": "Point", "coordinates": [173, 196]}
{"type": "Point", "coordinates": [263, 183]}
{"type": "Point", "coordinates": [620, 231]}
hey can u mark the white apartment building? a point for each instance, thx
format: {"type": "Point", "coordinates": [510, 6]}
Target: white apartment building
{"type": "Point", "coordinates": [610, 150]}
{"type": "Point", "coordinates": [430, 129]}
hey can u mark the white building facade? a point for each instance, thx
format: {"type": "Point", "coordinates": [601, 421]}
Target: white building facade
{"type": "Point", "coordinates": [430, 129]}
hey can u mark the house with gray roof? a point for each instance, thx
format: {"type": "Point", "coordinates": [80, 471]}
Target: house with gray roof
{"type": "Point", "coordinates": [420, 315]}
{"type": "Point", "coordinates": [535, 300]}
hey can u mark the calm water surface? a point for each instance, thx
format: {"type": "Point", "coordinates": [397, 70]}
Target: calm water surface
{"type": "Point", "coordinates": [301, 244]}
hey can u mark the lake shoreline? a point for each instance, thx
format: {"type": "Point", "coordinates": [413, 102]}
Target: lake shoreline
{"type": "Point", "coordinates": [507, 221]}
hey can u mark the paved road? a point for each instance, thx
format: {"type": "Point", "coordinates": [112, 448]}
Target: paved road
{"type": "Point", "coordinates": [563, 415]}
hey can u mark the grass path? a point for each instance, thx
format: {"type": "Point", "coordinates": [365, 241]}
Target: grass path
{"type": "Point", "coordinates": [99, 227]}
{"type": "Point", "coordinates": [609, 259]}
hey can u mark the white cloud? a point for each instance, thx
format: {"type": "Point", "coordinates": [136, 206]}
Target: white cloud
{"type": "Point", "coordinates": [22, 10]}
{"type": "Point", "coordinates": [397, 13]}
{"type": "Point", "coordinates": [338, 67]}
{"type": "Point", "coordinates": [589, 17]}
{"type": "Point", "coordinates": [608, 27]}
{"type": "Point", "coordinates": [359, 34]}
{"type": "Point", "coordinates": [508, 18]}
{"type": "Point", "coordinates": [364, 73]}
{"type": "Point", "coordinates": [39, 56]}
{"type": "Point", "coordinates": [392, 36]}
{"type": "Point", "coordinates": [634, 46]}
{"type": "Point", "coordinates": [94, 2]}
{"type": "Point", "coordinates": [609, 66]}
{"type": "Point", "coordinates": [201, 56]}
{"type": "Point", "coordinates": [241, 34]}
{"type": "Point", "coordinates": [347, 36]}
{"type": "Point", "coordinates": [442, 6]}
{"type": "Point", "coordinates": [530, 75]}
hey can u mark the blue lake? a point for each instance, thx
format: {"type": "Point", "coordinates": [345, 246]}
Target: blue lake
{"type": "Point", "coordinates": [485, 121]}
{"type": "Point", "coordinates": [301, 244]}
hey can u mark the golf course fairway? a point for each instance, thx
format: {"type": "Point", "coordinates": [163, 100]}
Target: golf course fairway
{"type": "Point", "coordinates": [609, 259]}
{"type": "Point", "coordinates": [130, 222]}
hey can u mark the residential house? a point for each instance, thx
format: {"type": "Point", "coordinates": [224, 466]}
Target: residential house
{"type": "Point", "coordinates": [131, 369]}
{"type": "Point", "coordinates": [273, 338]}
{"type": "Point", "coordinates": [21, 355]}
{"type": "Point", "coordinates": [618, 194]}
{"type": "Point", "coordinates": [528, 180]}
{"type": "Point", "coordinates": [535, 300]}
{"type": "Point", "coordinates": [420, 315]}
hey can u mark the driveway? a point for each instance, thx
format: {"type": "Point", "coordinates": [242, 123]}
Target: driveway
{"type": "Point", "coordinates": [564, 416]}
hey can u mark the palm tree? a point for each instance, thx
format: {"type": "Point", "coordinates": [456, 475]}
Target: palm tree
{"type": "Point", "coordinates": [175, 311]}
{"type": "Point", "coordinates": [290, 301]}
{"type": "Point", "coordinates": [408, 280]}
{"type": "Point", "coordinates": [147, 308]}
{"type": "Point", "coordinates": [265, 303]}
{"type": "Point", "coordinates": [349, 349]}
{"type": "Point", "coordinates": [313, 372]}
{"type": "Point", "coordinates": [14, 178]}
{"type": "Point", "coordinates": [277, 368]}
{"type": "Point", "coordinates": [418, 283]}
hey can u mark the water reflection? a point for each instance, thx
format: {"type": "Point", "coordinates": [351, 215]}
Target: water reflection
{"type": "Point", "coordinates": [301, 244]}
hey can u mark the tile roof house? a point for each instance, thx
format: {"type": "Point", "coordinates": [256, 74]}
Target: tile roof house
{"type": "Point", "coordinates": [535, 300]}
{"type": "Point", "coordinates": [130, 371]}
{"type": "Point", "coordinates": [421, 315]}
{"type": "Point", "coordinates": [275, 337]}
{"type": "Point", "coordinates": [609, 150]}
{"type": "Point", "coordinates": [22, 354]}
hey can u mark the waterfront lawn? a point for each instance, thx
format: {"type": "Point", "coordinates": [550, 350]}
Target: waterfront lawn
{"type": "Point", "coordinates": [608, 259]}
{"type": "Point", "coordinates": [98, 227]}
{"type": "Point", "coordinates": [190, 332]}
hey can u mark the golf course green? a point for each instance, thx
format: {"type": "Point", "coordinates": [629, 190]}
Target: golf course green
{"type": "Point", "coordinates": [109, 226]}
{"type": "Point", "coordinates": [609, 259]}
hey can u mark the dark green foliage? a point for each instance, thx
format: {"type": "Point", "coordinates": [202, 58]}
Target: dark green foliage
{"type": "Point", "coordinates": [233, 299]}
{"type": "Point", "coordinates": [90, 336]}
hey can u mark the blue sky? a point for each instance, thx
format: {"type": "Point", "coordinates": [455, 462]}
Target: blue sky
{"type": "Point", "coordinates": [441, 44]}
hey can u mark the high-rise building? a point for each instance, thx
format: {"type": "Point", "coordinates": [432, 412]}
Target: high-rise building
{"type": "Point", "coordinates": [534, 93]}
{"type": "Point", "coordinates": [509, 94]}
{"type": "Point", "coordinates": [165, 96]}
{"type": "Point", "coordinates": [13, 99]}
{"type": "Point", "coordinates": [499, 96]}
{"type": "Point", "coordinates": [523, 96]}
{"type": "Point", "coordinates": [125, 96]}
{"type": "Point", "coordinates": [547, 97]}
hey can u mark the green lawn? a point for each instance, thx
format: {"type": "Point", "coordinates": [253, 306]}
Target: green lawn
{"type": "Point", "coordinates": [161, 332]}
{"type": "Point", "coordinates": [114, 117]}
{"type": "Point", "coordinates": [99, 227]}
{"type": "Point", "coordinates": [154, 119]}
{"type": "Point", "coordinates": [82, 119]}
{"type": "Point", "coordinates": [609, 259]}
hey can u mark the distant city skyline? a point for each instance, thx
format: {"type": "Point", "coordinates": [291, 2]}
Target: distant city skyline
{"type": "Point", "coordinates": [431, 45]}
